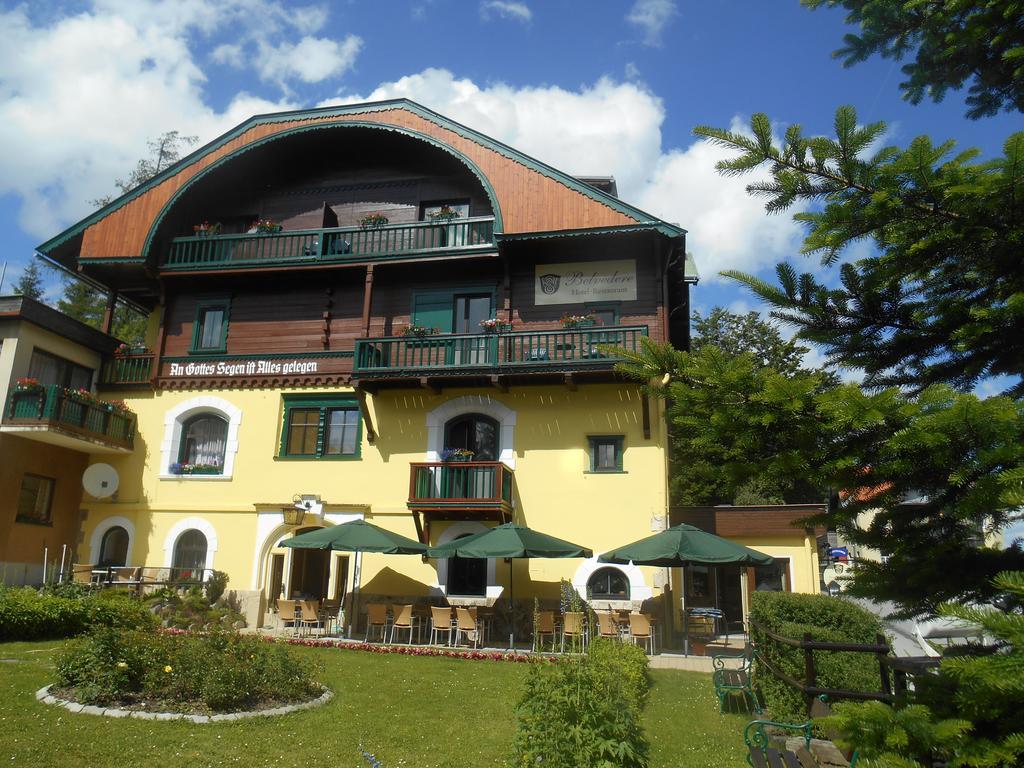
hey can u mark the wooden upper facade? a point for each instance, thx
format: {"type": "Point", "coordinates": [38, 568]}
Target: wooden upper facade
{"type": "Point", "coordinates": [323, 297]}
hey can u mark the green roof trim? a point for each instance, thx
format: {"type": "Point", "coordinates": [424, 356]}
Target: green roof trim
{"type": "Point", "coordinates": [474, 169]}
{"type": "Point", "coordinates": [351, 109]}
{"type": "Point", "coordinates": [665, 229]}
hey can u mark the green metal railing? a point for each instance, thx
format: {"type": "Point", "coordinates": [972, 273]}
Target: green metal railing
{"type": "Point", "coordinates": [56, 407]}
{"type": "Point", "coordinates": [520, 350]}
{"type": "Point", "coordinates": [329, 245]}
{"type": "Point", "coordinates": [127, 369]}
{"type": "Point", "coordinates": [460, 482]}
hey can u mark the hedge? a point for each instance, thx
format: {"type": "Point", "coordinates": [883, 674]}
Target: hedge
{"type": "Point", "coordinates": [825, 618]}
{"type": "Point", "coordinates": [27, 614]}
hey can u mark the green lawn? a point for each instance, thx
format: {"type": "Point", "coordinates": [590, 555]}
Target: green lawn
{"type": "Point", "coordinates": [410, 711]}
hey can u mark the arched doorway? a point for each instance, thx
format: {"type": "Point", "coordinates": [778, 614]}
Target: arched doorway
{"type": "Point", "coordinates": [475, 432]}
{"type": "Point", "coordinates": [467, 576]}
{"type": "Point", "coordinates": [114, 548]}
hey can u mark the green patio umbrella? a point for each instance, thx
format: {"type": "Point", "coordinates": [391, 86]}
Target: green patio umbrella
{"type": "Point", "coordinates": [682, 545]}
{"type": "Point", "coordinates": [509, 541]}
{"type": "Point", "coordinates": [356, 536]}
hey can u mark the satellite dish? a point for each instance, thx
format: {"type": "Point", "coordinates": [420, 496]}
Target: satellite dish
{"type": "Point", "coordinates": [100, 481]}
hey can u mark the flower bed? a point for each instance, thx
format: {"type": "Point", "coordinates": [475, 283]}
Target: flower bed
{"type": "Point", "coordinates": [423, 650]}
{"type": "Point", "coordinates": [187, 673]}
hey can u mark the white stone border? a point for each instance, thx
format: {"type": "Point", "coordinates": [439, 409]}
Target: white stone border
{"type": "Point", "coordinates": [43, 695]}
{"type": "Point", "coordinates": [458, 406]}
{"type": "Point", "coordinates": [176, 417]}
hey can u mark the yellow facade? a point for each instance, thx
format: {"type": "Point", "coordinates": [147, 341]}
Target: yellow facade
{"type": "Point", "coordinates": [545, 433]}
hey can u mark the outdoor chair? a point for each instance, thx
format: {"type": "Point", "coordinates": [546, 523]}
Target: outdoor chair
{"type": "Point", "coordinates": [404, 620]}
{"type": "Point", "coordinates": [467, 626]}
{"type": "Point", "coordinates": [544, 624]}
{"type": "Point", "coordinates": [376, 618]}
{"type": "Point", "coordinates": [440, 622]}
{"type": "Point", "coordinates": [286, 612]}
{"type": "Point", "coordinates": [728, 680]}
{"type": "Point", "coordinates": [640, 629]}
{"type": "Point", "coordinates": [81, 574]}
{"type": "Point", "coordinates": [330, 614]}
{"type": "Point", "coordinates": [607, 626]}
{"type": "Point", "coordinates": [574, 628]}
{"type": "Point", "coordinates": [309, 616]}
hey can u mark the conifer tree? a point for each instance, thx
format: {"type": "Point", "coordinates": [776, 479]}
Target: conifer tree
{"type": "Point", "coordinates": [30, 282]}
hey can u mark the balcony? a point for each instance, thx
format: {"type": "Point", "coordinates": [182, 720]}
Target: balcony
{"type": "Point", "coordinates": [330, 246]}
{"type": "Point", "coordinates": [459, 490]}
{"type": "Point", "coordinates": [565, 350]}
{"type": "Point", "coordinates": [54, 415]}
{"type": "Point", "coordinates": [131, 370]}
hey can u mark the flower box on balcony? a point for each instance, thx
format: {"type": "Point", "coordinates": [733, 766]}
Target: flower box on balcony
{"type": "Point", "coordinates": [578, 321]}
{"type": "Point", "coordinates": [456, 454]}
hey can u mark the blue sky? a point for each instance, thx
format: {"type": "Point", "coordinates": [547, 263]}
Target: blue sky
{"type": "Point", "coordinates": [590, 86]}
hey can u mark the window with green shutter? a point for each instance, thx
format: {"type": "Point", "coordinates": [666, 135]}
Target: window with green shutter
{"type": "Point", "coordinates": [606, 453]}
{"type": "Point", "coordinates": [318, 427]}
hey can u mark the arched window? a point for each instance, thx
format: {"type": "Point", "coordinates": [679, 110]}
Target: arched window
{"type": "Point", "coordinates": [114, 548]}
{"type": "Point", "coordinates": [474, 432]}
{"type": "Point", "coordinates": [467, 575]}
{"type": "Point", "coordinates": [203, 440]}
{"type": "Point", "coordinates": [190, 554]}
{"type": "Point", "coordinates": [608, 584]}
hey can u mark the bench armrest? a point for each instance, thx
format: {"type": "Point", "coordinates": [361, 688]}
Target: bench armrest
{"type": "Point", "coordinates": [756, 735]}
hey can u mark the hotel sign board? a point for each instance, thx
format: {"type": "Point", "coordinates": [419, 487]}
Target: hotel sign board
{"type": "Point", "coordinates": [581, 282]}
{"type": "Point", "coordinates": [253, 367]}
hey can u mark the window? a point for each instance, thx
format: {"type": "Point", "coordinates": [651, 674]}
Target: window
{"type": "Point", "coordinates": [114, 548]}
{"type": "Point", "coordinates": [467, 575]}
{"type": "Point", "coordinates": [49, 369]}
{"type": "Point", "coordinates": [606, 454]}
{"type": "Point", "coordinates": [604, 314]}
{"type": "Point", "coordinates": [320, 428]}
{"type": "Point", "coordinates": [608, 584]}
{"type": "Point", "coordinates": [190, 554]}
{"type": "Point", "coordinates": [772, 578]}
{"type": "Point", "coordinates": [203, 440]}
{"type": "Point", "coordinates": [210, 329]}
{"type": "Point", "coordinates": [35, 499]}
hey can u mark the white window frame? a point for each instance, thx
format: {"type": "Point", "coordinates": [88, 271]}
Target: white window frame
{"type": "Point", "coordinates": [174, 421]}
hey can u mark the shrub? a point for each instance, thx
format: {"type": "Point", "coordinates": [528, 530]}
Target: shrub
{"type": "Point", "coordinates": [584, 713]}
{"type": "Point", "coordinates": [826, 619]}
{"type": "Point", "coordinates": [193, 609]}
{"type": "Point", "coordinates": [27, 614]}
{"type": "Point", "coordinates": [217, 671]}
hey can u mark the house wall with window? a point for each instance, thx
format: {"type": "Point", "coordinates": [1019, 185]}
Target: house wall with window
{"type": "Point", "coordinates": [40, 481]}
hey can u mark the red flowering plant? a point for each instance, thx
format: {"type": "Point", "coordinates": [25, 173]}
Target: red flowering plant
{"type": "Point", "coordinates": [444, 213]}
{"type": "Point", "coordinates": [81, 395]}
{"type": "Point", "coordinates": [265, 227]}
{"type": "Point", "coordinates": [28, 384]}
{"type": "Point", "coordinates": [206, 229]}
{"type": "Point", "coordinates": [120, 406]}
{"type": "Point", "coordinates": [577, 321]}
{"type": "Point", "coordinates": [373, 220]}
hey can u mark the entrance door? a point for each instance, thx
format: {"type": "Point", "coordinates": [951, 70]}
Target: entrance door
{"type": "Point", "coordinates": [467, 575]}
{"type": "Point", "coordinates": [730, 592]}
{"type": "Point", "coordinates": [310, 572]}
{"type": "Point", "coordinates": [470, 309]}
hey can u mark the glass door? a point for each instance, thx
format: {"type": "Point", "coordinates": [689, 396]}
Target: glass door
{"type": "Point", "coordinates": [470, 310]}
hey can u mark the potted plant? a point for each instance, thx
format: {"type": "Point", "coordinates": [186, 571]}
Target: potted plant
{"type": "Point", "coordinates": [28, 384]}
{"type": "Point", "coordinates": [265, 227]}
{"type": "Point", "coordinates": [444, 213]}
{"type": "Point", "coordinates": [495, 326]}
{"type": "Point", "coordinates": [456, 454]}
{"type": "Point", "coordinates": [206, 229]}
{"type": "Point", "coordinates": [578, 321]}
{"type": "Point", "coordinates": [420, 331]}
{"type": "Point", "coordinates": [181, 468]}
{"type": "Point", "coordinates": [373, 220]}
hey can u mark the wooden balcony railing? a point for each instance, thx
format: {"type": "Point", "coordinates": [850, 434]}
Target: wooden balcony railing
{"type": "Point", "coordinates": [127, 369]}
{"type": "Point", "coordinates": [338, 244]}
{"type": "Point", "coordinates": [447, 484]}
{"type": "Point", "coordinates": [59, 409]}
{"type": "Point", "coordinates": [566, 348]}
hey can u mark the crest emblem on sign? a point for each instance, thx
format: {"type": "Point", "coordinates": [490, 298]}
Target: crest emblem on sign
{"type": "Point", "coordinates": [549, 283]}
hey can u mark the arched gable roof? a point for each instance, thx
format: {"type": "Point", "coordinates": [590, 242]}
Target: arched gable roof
{"type": "Point", "coordinates": [531, 196]}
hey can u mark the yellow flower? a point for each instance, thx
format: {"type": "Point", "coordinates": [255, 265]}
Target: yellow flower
{"type": "Point", "coordinates": [122, 665]}
{"type": "Point", "coordinates": [168, 668]}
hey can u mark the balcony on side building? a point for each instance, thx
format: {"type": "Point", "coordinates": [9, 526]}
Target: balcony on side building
{"type": "Point", "coordinates": [567, 350]}
{"type": "Point", "coordinates": [335, 245]}
{"type": "Point", "coordinates": [130, 370]}
{"type": "Point", "coordinates": [460, 490]}
{"type": "Point", "coordinates": [55, 415]}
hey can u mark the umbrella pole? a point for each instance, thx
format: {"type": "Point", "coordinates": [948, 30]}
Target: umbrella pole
{"type": "Point", "coordinates": [511, 609]}
{"type": "Point", "coordinates": [686, 618]}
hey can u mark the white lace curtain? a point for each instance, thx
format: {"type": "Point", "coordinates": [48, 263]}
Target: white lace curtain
{"type": "Point", "coordinates": [203, 441]}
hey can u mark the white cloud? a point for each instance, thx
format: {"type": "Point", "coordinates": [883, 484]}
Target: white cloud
{"type": "Point", "coordinates": [632, 71]}
{"type": "Point", "coordinates": [80, 95]}
{"type": "Point", "coordinates": [312, 59]}
{"type": "Point", "coordinates": [506, 9]}
{"type": "Point", "coordinates": [652, 16]}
